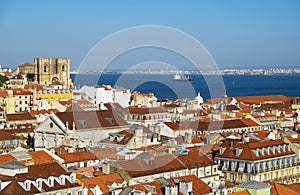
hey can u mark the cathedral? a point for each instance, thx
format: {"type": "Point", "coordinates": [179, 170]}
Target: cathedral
{"type": "Point", "coordinates": [52, 72]}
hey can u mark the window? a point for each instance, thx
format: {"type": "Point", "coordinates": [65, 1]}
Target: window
{"type": "Point", "coordinates": [248, 177]}
{"type": "Point", "coordinates": [51, 125]}
{"type": "Point", "coordinates": [45, 68]}
{"type": "Point", "coordinates": [25, 102]}
{"type": "Point", "coordinates": [271, 175]}
{"type": "Point", "coordinates": [63, 68]}
{"type": "Point", "coordinates": [20, 102]}
{"type": "Point", "coordinates": [27, 185]}
{"type": "Point", "coordinates": [62, 180]}
{"type": "Point", "coordinates": [231, 177]}
{"type": "Point", "coordinates": [39, 184]}
{"type": "Point", "coordinates": [240, 178]}
{"type": "Point", "coordinates": [72, 178]}
{"type": "Point", "coordinates": [207, 172]}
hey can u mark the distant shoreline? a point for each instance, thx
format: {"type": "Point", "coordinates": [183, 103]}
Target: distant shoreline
{"type": "Point", "coordinates": [189, 73]}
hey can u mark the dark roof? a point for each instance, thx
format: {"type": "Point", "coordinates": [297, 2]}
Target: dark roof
{"type": "Point", "coordinates": [20, 116]}
{"type": "Point", "coordinates": [13, 165]}
{"type": "Point", "coordinates": [232, 108]}
{"type": "Point", "coordinates": [253, 184]}
{"type": "Point", "coordinates": [217, 125]}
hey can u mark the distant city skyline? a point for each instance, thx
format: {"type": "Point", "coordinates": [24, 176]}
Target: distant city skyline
{"type": "Point", "coordinates": [238, 34]}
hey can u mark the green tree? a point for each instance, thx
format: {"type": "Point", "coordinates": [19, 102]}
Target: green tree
{"type": "Point", "coordinates": [3, 79]}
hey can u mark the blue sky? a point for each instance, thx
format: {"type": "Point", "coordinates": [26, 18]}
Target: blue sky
{"type": "Point", "coordinates": [237, 33]}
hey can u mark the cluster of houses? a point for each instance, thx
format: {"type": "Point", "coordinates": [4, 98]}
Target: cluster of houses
{"type": "Point", "coordinates": [107, 140]}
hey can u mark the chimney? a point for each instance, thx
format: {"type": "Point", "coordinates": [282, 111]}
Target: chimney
{"type": "Point", "coordinates": [188, 138]}
{"type": "Point", "coordinates": [73, 125]}
{"type": "Point", "coordinates": [185, 187]}
{"type": "Point", "coordinates": [139, 131]}
{"type": "Point", "coordinates": [106, 168]}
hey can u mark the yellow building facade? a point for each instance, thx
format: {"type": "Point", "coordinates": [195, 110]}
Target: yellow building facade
{"type": "Point", "coordinates": [55, 95]}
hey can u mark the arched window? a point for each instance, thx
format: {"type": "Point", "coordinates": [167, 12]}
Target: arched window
{"type": "Point", "coordinates": [45, 68]}
{"type": "Point", "coordinates": [63, 68]}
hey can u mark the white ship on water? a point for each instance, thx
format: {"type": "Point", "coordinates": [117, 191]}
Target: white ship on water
{"type": "Point", "coordinates": [182, 77]}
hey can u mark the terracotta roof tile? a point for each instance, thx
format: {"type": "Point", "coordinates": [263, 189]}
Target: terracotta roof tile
{"type": "Point", "coordinates": [20, 117]}
{"type": "Point", "coordinates": [4, 158]}
{"type": "Point", "coordinates": [8, 136]}
{"type": "Point", "coordinates": [198, 186]}
{"type": "Point", "coordinates": [279, 189]}
{"type": "Point", "coordinates": [179, 126]}
{"type": "Point", "coordinates": [250, 122]}
{"type": "Point", "coordinates": [41, 157]}
{"type": "Point", "coordinates": [92, 119]}
{"type": "Point", "coordinates": [102, 181]}
{"type": "Point", "coordinates": [103, 153]}
{"type": "Point", "coordinates": [138, 167]}
{"type": "Point", "coordinates": [77, 156]}
{"type": "Point", "coordinates": [144, 110]}
{"type": "Point", "coordinates": [40, 171]}
{"type": "Point", "coordinates": [158, 188]}
{"type": "Point", "coordinates": [247, 150]}
{"type": "Point", "coordinates": [261, 134]}
{"type": "Point", "coordinates": [128, 134]}
{"type": "Point", "coordinates": [243, 192]}
{"type": "Point", "coordinates": [6, 73]}
{"type": "Point", "coordinates": [294, 186]}
{"type": "Point", "coordinates": [217, 125]}
{"type": "Point", "coordinates": [37, 112]}
{"type": "Point", "coordinates": [195, 158]}
{"type": "Point", "coordinates": [14, 188]}
{"type": "Point", "coordinates": [3, 93]}
{"type": "Point", "coordinates": [20, 91]}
